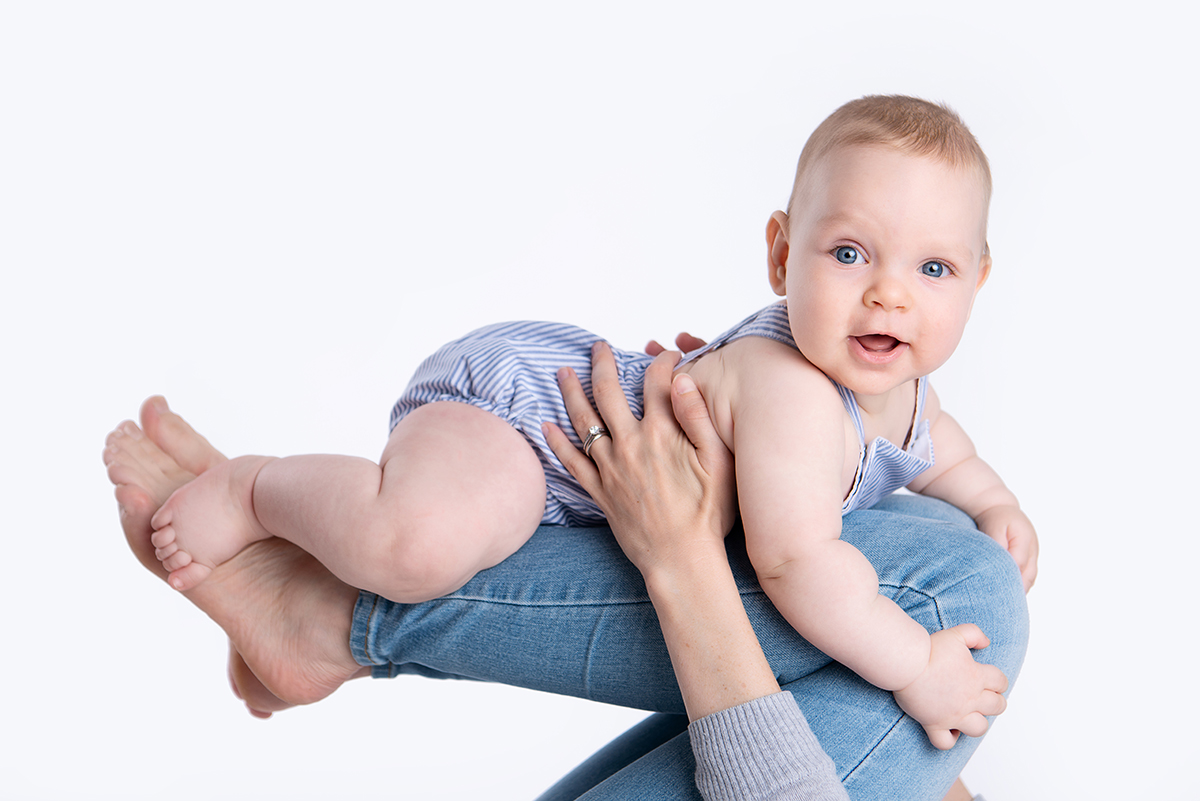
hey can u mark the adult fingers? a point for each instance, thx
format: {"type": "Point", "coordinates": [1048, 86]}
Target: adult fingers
{"type": "Point", "coordinates": [654, 347]}
{"type": "Point", "coordinates": [656, 386]}
{"type": "Point", "coordinates": [579, 408]}
{"type": "Point", "coordinates": [606, 391]}
{"type": "Point", "coordinates": [688, 343]}
{"type": "Point", "coordinates": [578, 465]}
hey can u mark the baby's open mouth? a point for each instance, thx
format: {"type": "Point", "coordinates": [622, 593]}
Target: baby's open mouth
{"type": "Point", "coordinates": [878, 343]}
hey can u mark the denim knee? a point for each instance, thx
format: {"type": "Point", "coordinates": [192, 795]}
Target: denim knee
{"type": "Point", "coordinates": [992, 597]}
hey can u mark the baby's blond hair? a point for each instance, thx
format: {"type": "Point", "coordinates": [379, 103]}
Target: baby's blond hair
{"type": "Point", "coordinates": [908, 123]}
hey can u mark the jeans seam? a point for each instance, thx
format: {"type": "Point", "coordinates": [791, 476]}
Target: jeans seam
{"type": "Point", "coordinates": [539, 604]}
{"type": "Point", "coordinates": [871, 750]}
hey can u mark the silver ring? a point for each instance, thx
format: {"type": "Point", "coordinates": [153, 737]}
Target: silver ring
{"type": "Point", "coordinates": [594, 433]}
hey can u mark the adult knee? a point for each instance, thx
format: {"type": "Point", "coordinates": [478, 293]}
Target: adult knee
{"type": "Point", "coordinates": [990, 594]}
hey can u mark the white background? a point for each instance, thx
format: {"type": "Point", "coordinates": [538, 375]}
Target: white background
{"type": "Point", "coordinates": [270, 212]}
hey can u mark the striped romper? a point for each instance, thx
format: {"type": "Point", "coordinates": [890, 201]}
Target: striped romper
{"type": "Point", "coordinates": [509, 369]}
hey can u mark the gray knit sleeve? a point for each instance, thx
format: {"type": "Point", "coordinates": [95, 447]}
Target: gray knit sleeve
{"type": "Point", "coordinates": [762, 750]}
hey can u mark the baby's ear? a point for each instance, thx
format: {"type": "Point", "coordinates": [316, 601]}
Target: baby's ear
{"type": "Point", "coordinates": [777, 252]}
{"type": "Point", "coordinates": [985, 269]}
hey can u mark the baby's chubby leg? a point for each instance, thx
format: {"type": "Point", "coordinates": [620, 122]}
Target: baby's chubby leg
{"type": "Point", "coordinates": [457, 490]}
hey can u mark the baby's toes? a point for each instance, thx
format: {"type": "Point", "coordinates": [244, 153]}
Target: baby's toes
{"type": "Point", "coordinates": [162, 520]}
{"type": "Point", "coordinates": [166, 551]}
{"type": "Point", "coordinates": [177, 561]}
{"type": "Point", "coordinates": [189, 576]}
{"type": "Point", "coordinates": [162, 537]}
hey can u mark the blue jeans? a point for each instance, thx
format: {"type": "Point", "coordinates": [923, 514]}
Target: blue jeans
{"type": "Point", "coordinates": [568, 614]}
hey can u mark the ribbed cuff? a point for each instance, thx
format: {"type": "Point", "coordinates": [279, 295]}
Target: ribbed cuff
{"type": "Point", "coordinates": [763, 749]}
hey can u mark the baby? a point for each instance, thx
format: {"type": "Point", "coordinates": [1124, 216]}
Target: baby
{"type": "Point", "coordinates": [822, 397]}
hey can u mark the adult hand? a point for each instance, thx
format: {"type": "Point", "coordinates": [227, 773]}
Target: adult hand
{"type": "Point", "coordinates": [684, 341]}
{"type": "Point", "coordinates": [665, 482]}
{"type": "Point", "coordinates": [667, 489]}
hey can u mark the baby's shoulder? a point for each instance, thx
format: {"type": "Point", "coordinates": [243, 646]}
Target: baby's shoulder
{"type": "Point", "coordinates": [758, 371]}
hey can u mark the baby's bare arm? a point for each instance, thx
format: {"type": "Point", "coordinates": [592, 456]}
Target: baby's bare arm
{"type": "Point", "coordinates": [789, 440]}
{"type": "Point", "coordinates": [962, 478]}
{"type": "Point", "coordinates": [790, 436]}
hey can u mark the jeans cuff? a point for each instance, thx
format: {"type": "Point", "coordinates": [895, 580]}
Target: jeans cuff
{"type": "Point", "coordinates": [360, 634]}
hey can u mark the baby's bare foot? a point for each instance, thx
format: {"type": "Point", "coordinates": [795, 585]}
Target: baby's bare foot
{"type": "Point", "coordinates": [208, 521]}
{"type": "Point", "coordinates": [251, 598]}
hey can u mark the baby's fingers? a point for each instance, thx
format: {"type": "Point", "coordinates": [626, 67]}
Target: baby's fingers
{"type": "Point", "coordinates": [942, 739]}
{"type": "Point", "coordinates": [971, 635]}
{"type": "Point", "coordinates": [994, 680]}
{"type": "Point", "coordinates": [1024, 553]}
{"type": "Point", "coordinates": [975, 725]}
{"type": "Point", "coordinates": [992, 704]}
{"type": "Point", "coordinates": [1028, 576]}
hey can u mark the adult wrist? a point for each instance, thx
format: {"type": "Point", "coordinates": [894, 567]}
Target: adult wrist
{"type": "Point", "coordinates": [686, 569]}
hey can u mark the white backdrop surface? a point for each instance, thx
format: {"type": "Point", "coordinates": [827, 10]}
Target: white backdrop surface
{"type": "Point", "coordinates": [270, 212]}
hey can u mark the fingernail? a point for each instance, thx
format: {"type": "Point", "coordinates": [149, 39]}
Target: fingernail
{"type": "Point", "coordinates": [684, 384]}
{"type": "Point", "coordinates": [563, 374]}
{"type": "Point", "coordinates": [159, 404]}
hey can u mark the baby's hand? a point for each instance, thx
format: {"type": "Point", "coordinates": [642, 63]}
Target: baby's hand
{"type": "Point", "coordinates": [954, 693]}
{"type": "Point", "coordinates": [1009, 526]}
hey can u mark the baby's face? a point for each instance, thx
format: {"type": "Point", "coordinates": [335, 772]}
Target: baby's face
{"type": "Point", "coordinates": [881, 259]}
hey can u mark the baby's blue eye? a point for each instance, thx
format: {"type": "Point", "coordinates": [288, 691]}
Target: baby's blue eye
{"type": "Point", "coordinates": [848, 255]}
{"type": "Point", "coordinates": [933, 269]}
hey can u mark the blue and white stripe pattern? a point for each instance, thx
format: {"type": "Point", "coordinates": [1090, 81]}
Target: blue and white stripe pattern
{"type": "Point", "coordinates": [883, 467]}
{"type": "Point", "coordinates": [509, 369]}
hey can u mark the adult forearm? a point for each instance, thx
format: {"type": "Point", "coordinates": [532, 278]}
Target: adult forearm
{"type": "Point", "coordinates": [715, 654]}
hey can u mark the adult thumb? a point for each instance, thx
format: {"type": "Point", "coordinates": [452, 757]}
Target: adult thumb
{"type": "Point", "coordinates": [692, 414]}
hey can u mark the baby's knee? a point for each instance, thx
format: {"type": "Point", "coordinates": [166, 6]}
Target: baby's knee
{"type": "Point", "coordinates": [421, 561]}
{"type": "Point", "coordinates": [410, 567]}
